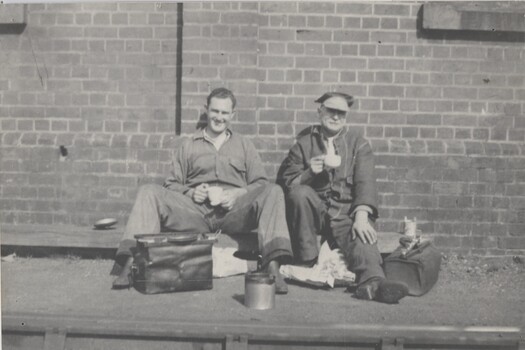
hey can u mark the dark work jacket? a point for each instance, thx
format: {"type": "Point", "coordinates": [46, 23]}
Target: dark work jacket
{"type": "Point", "coordinates": [344, 188]}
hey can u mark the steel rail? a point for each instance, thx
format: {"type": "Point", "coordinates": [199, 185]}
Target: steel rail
{"type": "Point", "coordinates": [57, 329]}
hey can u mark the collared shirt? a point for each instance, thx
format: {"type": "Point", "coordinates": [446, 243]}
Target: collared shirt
{"type": "Point", "coordinates": [352, 184]}
{"type": "Point", "coordinates": [329, 144]}
{"type": "Point", "coordinates": [219, 140]}
{"type": "Point", "coordinates": [235, 164]}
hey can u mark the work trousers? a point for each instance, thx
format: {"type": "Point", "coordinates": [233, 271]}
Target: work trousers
{"type": "Point", "coordinates": [309, 215]}
{"type": "Point", "coordinates": [158, 209]}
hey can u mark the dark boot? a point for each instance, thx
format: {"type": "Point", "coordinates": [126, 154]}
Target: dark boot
{"type": "Point", "coordinates": [382, 290]}
{"type": "Point", "coordinates": [280, 284]}
{"type": "Point", "coordinates": [124, 278]}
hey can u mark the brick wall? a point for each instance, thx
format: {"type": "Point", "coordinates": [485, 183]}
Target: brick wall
{"type": "Point", "coordinates": [445, 114]}
{"type": "Point", "coordinates": [98, 79]}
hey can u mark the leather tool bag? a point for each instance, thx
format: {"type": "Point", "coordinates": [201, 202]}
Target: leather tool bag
{"type": "Point", "coordinates": [172, 263]}
{"type": "Point", "coordinates": [418, 268]}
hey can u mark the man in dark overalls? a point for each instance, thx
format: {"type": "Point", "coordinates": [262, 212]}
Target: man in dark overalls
{"type": "Point", "coordinates": [330, 189]}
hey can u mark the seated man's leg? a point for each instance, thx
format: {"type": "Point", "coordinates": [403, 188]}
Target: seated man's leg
{"type": "Point", "coordinates": [306, 212]}
{"type": "Point", "coordinates": [156, 209]}
{"type": "Point", "coordinates": [363, 259]}
{"type": "Point", "coordinates": [264, 209]}
{"type": "Point", "coordinates": [366, 262]}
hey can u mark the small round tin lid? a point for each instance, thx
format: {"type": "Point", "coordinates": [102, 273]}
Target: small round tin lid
{"type": "Point", "coordinates": [105, 223]}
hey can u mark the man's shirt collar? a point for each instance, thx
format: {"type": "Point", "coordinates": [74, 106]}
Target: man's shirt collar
{"type": "Point", "coordinates": [201, 134]}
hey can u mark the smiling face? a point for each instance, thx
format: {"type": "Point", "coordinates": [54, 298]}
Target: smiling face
{"type": "Point", "coordinates": [332, 120]}
{"type": "Point", "coordinates": [220, 113]}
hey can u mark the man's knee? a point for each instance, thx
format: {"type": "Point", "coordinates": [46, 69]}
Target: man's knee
{"type": "Point", "coordinates": [299, 194]}
{"type": "Point", "coordinates": [274, 191]}
{"type": "Point", "coordinates": [149, 190]}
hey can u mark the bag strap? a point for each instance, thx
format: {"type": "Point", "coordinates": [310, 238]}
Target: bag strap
{"type": "Point", "coordinates": [423, 245]}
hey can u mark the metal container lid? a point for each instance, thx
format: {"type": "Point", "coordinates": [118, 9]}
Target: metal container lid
{"type": "Point", "coordinates": [259, 277]}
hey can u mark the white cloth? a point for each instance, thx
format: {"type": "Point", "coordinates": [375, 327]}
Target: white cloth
{"type": "Point", "coordinates": [225, 264]}
{"type": "Point", "coordinates": [331, 265]}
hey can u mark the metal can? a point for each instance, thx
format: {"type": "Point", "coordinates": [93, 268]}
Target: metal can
{"type": "Point", "coordinates": [259, 291]}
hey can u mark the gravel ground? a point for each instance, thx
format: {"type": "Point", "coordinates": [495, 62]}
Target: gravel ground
{"type": "Point", "coordinates": [470, 292]}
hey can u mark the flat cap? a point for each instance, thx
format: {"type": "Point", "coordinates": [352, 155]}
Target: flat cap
{"type": "Point", "coordinates": [336, 100]}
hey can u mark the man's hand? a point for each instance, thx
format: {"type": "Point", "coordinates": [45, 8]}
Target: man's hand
{"type": "Point", "coordinates": [200, 193]}
{"type": "Point", "coordinates": [229, 197]}
{"type": "Point", "coordinates": [317, 164]}
{"type": "Point", "coordinates": [363, 229]}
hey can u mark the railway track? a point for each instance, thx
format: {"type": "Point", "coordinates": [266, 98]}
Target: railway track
{"type": "Point", "coordinates": [60, 332]}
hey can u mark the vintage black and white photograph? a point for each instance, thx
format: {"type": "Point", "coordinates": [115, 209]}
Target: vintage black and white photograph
{"type": "Point", "coordinates": [262, 174]}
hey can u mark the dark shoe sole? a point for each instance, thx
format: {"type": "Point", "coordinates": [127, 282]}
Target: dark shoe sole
{"type": "Point", "coordinates": [121, 283]}
{"type": "Point", "coordinates": [391, 292]}
{"type": "Point", "coordinates": [365, 292]}
{"type": "Point", "coordinates": [281, 290]}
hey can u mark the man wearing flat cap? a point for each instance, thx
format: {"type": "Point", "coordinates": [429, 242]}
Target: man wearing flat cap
{"type": "Point", "coordinates": [330, 188]}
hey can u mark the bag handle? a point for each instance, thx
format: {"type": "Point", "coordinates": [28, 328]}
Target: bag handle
{"type": "Point", "coordinates": [184, 238]}
{"type": "Point", "coordinates": [419, 248]}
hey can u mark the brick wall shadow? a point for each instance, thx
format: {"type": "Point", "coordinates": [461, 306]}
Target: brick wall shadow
{"type": "Point", "coordinates": [469, 35]}
{"type": "Point", "coordinates": [12, 28]}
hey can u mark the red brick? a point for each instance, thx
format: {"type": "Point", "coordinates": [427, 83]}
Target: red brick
{"type": "Point", "coordinates": [297, 21]}
{"type": "Point", "coordinates": [314, 22]}
{"type": "Point", "coordinates": [276, 34]}
{"type": "Point", "coordinates": [275, 115]}
{"type": "Point", "coordinates": [238, 17]}
{"type": "Point", "coordinates": [409, 132]}
{"type": "Point", "coordinates": [391, 10]}
{"type": "Point", "coordinates": [421, 201]}
{"type": "Point", "coordinates": [285, 144]}
{"type": "Point", "coordinates": [369, 104]}
{"type": "Point", "coordinates": [265, 143]}
{"type": "Point", "coordinates": [370, 23]}
{"type": "Point", "coordinates": [314, 35]}
{"type": "Point", "coordinates": [511, 243]}
{"type": "Point", "coordinates": [330, 76]}
{"type": "Point", "coordinates": [352, 22]}
{"type": "Point", "coordinates": [266, 129]}
{"type": "Point", "coordinates": [515, 229]}
{"type": "Point", "coordinates": [398, 146]}
{"type": "Point", "coordinates": [387, 91]}
{"type": "Point", "coordinates": [381, 63]}
{"type": "Point", "coordinates": [423, 92]}
{"type": "Point", "coordinates": [285, 129]}
{"type": "Point", "coordinates": [275, 61]}
{"type": "Point", "coordinates": [237, 45]}
{"type": "Point", "coordinates": [282, 7]}
{"type": "Point", "coordinates": [392, 131]}
{"type": "Point", "coordinates": [334, 22]}
{"type": "Point", "coordinates": [496, 67]}
{"type": "Point", "coordinates": [388, 37]}
{"type": "Point", "coordinates": [354, 8]}
{"type": "Point", "coordinates": [352, 36]}
{"type": "Point", "coordinates": [311, 62]}
{"type": "Point", "coordinates": [245, 129]}
{"type": "Point", "coordinates": [367, 50]}
{"type": "Point", "coordinates": [404, 51]}
{"type": "Point", "coordinates": [316, 7]}
{"type": "Point", "coordinates": [389, 23]}
{"type": "Point", "coordinates": [495, 93]}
